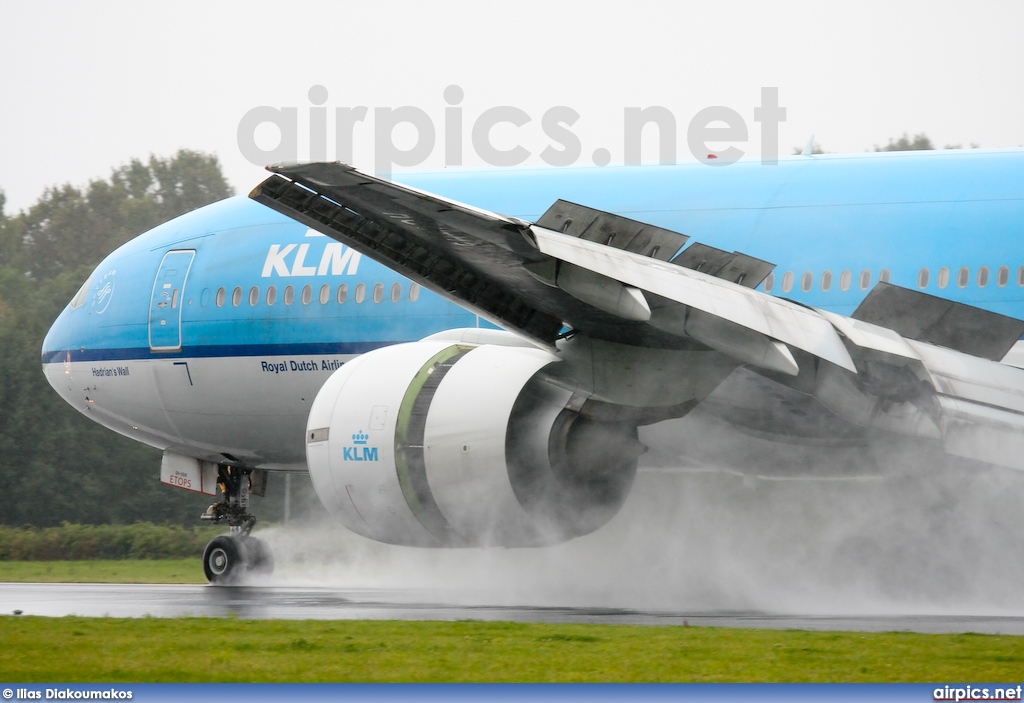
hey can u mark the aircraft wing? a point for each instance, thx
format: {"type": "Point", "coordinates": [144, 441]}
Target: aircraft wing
{"type": "Point", "coordinates": [598, 274]}
{"type": "Point", "coordinates": [479, 259]}
{"type": "Point", "coordinates": [905, 362]}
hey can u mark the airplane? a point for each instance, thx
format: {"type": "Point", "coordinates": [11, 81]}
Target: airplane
{"type": "Point", "coordinates": [450, 376]}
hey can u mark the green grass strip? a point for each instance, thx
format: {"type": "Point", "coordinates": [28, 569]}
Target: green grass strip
{"type": "Point", "coordinates": [104, 571]}
{"type": "Point", "coordinates": [222, 650]}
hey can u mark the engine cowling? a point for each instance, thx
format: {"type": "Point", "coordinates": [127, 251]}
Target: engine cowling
{"type": "Point", "coordinates": [439, 444]}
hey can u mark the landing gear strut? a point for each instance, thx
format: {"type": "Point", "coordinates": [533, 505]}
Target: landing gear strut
{"type": "Point", "coordinates": [229, 558]}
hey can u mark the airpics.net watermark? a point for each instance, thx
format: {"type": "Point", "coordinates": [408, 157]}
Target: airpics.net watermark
{"type": "Point", "coordinates": [419, 136]}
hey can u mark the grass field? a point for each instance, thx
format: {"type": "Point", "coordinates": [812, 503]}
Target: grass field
{"type": "Point", "coordinates": [104, 571]}
{"type": "Point", "coordinates": [198, 649]}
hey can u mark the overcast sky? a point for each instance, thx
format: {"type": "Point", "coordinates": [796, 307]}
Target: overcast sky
{"type": "Point", "coordinates": [87, 86]}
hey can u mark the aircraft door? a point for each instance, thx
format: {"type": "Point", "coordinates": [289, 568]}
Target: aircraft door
{"type": "Point", "coordinates": [168, 294]}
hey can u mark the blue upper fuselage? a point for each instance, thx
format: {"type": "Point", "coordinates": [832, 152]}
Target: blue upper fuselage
{"type": "Point", "coordinates": [902, 213]}
{"type": "Point", "coordinates": [897, 211]}
{"type": "Point", "coordinates": [254, 287]}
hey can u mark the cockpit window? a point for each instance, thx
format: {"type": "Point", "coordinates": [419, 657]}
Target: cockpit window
{"type": "Point", "coordinates": [82, 295]}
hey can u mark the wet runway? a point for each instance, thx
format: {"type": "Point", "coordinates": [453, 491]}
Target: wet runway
{"type": "Point", "coordinates": [323, 603]}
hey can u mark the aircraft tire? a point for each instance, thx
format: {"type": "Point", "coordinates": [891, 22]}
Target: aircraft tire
{"type": "Point", "coordinates": [260, 557]}
{"type": "Point", "coordinates": [224, 560]}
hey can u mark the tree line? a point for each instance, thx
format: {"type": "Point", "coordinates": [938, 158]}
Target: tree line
{"type": "Point", "coordinates": [919, 142]}
{"type": "Point", "coordinates": [55, 464]}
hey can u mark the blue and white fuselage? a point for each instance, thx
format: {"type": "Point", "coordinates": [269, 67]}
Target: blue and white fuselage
{"type": "Point", "coordinates": [211, 334]}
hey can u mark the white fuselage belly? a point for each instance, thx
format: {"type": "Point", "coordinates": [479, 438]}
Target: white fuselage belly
{"type": "Point", "coordinates": [253, 408]}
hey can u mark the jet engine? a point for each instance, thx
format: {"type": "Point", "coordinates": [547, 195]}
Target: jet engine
{"type": "Point", "coordinates": [439, 444]}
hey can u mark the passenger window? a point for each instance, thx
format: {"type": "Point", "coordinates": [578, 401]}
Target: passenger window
{"type": "Point", "coordinates": [271, 295]}
{"type": "Point", "coordinates": [1020, 276]}
{"type": "Point", "coordinates": [865, 279]}
{"type": "Point", "coordinates": [845, 279]}
{"type": "Point", "coordinates": [923, 278]}
{"type": "Point", "coordinates": [963, 277]}
{"type": "Point", "coordinates": [885, 276]}
{"type": "Point", "coordinates": [236, 296]}
{"type": "Point", "coordinates": [826, 281]}
{"type": "Point", "coordinates": [1003, 276]}
{"type": "Point", "coordinates": [396, 292]}
{"type": "Point", "coordinates": [983, 277]}
{"type": "Point", "coordinates": [943, 277]}
{"type": "Point", "coordinates": [289, 295]}
{"type": "Point", "coordinates": [254, 296]}
{"type": "Point", "coordinates": [787, 282]}
{"type": "Point", "coordinates": [414, 292]}
{"type": "Point", "coordinates": [325, 294]}
{"type": "Point", "coordinates": [307, 294]}
{"type": "Point", "coordinates": [222, 296]}
{"type": "Point", "coordinates": [806, 281]}
{"type": "Point", "coordinates": [360, 292]}
{"type": "Point", "coordinates": [769, 282]}
{"type": "Point", "coordinates": [378, 292]}
{"type": "Point", "coordinates": [342, 293]}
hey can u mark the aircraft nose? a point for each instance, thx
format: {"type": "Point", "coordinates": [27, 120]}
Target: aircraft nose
{"type": "Point", "coordinates": [59, 347]}
{"type": "Point", "coordinates": [57, 369]}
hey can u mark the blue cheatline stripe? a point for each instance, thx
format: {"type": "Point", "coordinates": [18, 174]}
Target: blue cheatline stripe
{"type": "Point", "coordinates": [501, 693]}
{"type": "Point", "coordinates": [211, 351]}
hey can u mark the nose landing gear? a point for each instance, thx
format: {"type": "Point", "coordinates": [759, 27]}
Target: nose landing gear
{"type": "Point", "coordinates": [229, 558]}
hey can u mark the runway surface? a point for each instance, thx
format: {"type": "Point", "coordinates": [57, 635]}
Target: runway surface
{"type": "Point", "coordinates": [943, 552]}
{"type": "Point", "coordinates": [322, 603]}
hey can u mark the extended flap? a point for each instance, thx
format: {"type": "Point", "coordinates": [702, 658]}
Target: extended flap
{"type": "Point", "coordinates": [735, 267]}
{"type": "Point", "coordinates": [927, 318]}
{"type": "Point", "coordinates": [612, 230]}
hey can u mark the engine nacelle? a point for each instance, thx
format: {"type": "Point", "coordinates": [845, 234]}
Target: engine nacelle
{"type": "Point", "coordinates": [439, 444]}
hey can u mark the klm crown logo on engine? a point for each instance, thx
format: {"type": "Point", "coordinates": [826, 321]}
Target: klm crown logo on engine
{"type": "Point", "coordinates": [360, 451]}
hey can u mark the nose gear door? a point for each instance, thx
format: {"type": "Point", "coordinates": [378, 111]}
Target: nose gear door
{"type": "Point", "coordinates": [165, 306]}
